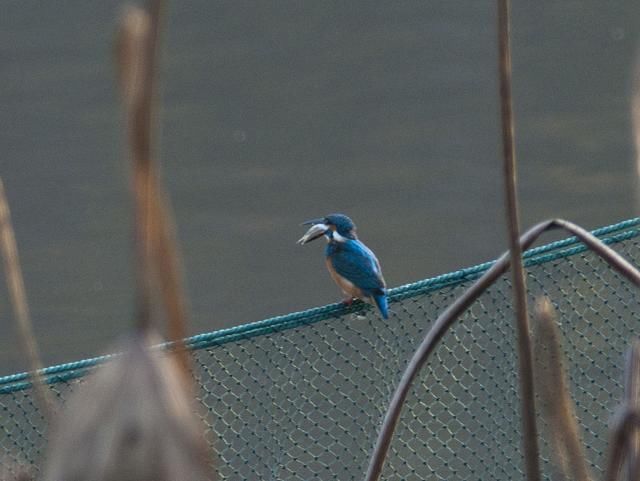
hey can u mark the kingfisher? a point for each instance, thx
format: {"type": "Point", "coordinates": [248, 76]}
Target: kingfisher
{"type": "Point", "coordinates": [352, 265]}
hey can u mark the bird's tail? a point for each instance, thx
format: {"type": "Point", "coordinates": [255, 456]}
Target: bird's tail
{"type": "Point", "coordinates": [381, 302]}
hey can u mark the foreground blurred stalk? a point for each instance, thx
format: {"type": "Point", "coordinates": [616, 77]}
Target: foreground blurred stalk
{"type": "Point", "coordinates": [135, 418]}
{"type": "Point", "coordinates": [158, 260]}
{"type": "Point", "coordinates": [132, 421]}
{"type": "Point", "coordinates": [632, 400]}
{"type": "Point", "coordinates": [17, 292]}
{"type": "Point", "coordinates": [552, 387]}
{"type": "Point", "coordinates": [625, 428]}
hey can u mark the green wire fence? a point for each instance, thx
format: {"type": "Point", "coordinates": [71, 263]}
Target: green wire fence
{"type": "Point", "coordinates": [302, 396]}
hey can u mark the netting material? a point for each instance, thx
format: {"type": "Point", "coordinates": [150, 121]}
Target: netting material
{"type": "Point", "coordinates": [302, 396]}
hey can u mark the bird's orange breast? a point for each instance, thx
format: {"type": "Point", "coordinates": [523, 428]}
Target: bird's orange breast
{"type": "Point", "coordinates": [345, 284]}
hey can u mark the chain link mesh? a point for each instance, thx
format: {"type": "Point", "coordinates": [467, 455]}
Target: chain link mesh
{"type": "Point", "coordinates": [302, 397]}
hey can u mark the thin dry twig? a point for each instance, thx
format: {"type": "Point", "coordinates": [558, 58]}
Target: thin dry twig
{"type": "Point", "coordinates": [552, 386]}
{"type": "Point", "coordinates": [20, 305]}
{"type": "Point", "coordinates": [525, 367]}
{"type": "Point", "coordinates": [460, 305]}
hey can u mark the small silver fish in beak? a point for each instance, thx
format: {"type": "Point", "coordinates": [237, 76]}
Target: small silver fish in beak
{"type": "Point", "coordinates": [317, 229]}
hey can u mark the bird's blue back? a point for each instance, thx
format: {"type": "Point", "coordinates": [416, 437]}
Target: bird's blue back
{"type": "Point", "coordinates": [355, 262]}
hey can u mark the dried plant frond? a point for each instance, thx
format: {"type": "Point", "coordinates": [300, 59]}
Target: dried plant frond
{"type": "Point", "coordinates": [132, 421]}
{"type": "Point", "coordinates": [632, 400]}
{"type": "Point", "coordinates": [625, 424]}
{"type": "Point", "coordinates": [553, 388]}
{"type": "Point", "coordinates": [624, 440]}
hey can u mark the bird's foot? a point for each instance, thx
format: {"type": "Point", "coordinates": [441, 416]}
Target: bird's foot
{"type": "Point", "coordinates": [347, 301]}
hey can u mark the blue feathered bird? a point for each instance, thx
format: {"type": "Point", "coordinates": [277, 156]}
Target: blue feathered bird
{"type": "Point", "coordinates": [352, 265]}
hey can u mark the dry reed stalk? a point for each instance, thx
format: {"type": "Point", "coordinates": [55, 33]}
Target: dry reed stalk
{"type": "Point", "coordinates": [17, 292]}
{"type": "Point", "coordinates": [525, 364]}
{"type": "Point", "coordinates": [552, 386]}
{"type": "Point", "coordinates": [158, 255]}
{"type": "Point", "coordinates": [132, 421]}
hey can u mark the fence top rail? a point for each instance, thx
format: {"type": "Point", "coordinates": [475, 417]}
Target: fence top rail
{"type": "Point", "coordinates": [570, 246]}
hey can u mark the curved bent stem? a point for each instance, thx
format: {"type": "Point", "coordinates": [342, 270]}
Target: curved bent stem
{"type": "Point", "coordinates": [459, 306]}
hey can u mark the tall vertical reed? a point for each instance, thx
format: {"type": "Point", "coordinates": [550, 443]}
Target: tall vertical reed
{"type": "Point", "coordinates": [525, 368]}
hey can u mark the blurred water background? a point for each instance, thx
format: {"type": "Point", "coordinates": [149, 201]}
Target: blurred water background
{"type": "Point", "coordinates": [276, 112]}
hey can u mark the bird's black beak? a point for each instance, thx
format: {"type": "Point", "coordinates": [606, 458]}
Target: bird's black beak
{"type": "Point", "coordinates": [317, 230]}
